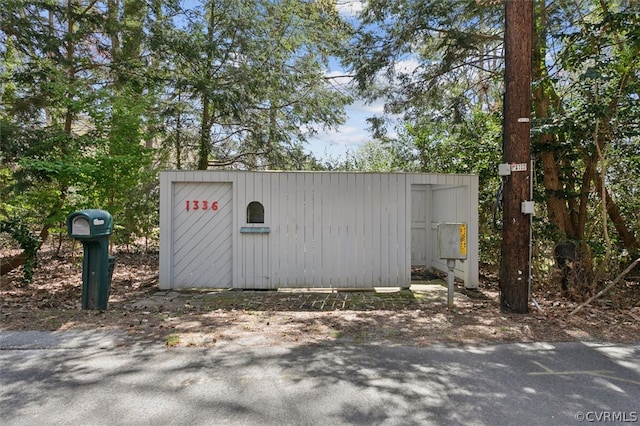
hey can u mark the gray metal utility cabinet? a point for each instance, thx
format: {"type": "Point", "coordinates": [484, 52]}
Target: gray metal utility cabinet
{"type": "Point", "coordinates": [255, 230]}
{"type": "Point", "coordinates": [452, 246]}
{"type": "Point", "coordinates": [93, 227]}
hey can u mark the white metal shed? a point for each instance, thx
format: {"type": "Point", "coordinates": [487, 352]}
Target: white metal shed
{"type": "Point", "coordinates": [260, 230]}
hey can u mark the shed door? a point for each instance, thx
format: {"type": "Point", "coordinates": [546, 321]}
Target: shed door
{"type": "Point", "coordinates": [418, 225]}
{"type": "Point", "coordinates": [202, 234]}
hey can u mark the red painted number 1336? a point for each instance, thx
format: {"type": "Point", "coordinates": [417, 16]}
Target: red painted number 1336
{"type": "Point", "coordinates": [201, 205]}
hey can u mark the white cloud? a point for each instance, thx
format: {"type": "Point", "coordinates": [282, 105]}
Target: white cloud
{"type": "Point", "coordinates": [406, 66]}
{"type": "Point", "coordinates": [376, 108]}
{"type": "Point", "coordinates": [348, 137]}
{"type": "Point", "coordinates": [340, 79]}
{"type": "Point", "coordinates": [349, 8]}
{"type": "Point", "coordinates": [351, 135]}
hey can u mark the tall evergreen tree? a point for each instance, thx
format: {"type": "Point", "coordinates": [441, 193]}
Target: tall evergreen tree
{"type": "Point", "coordinates": [439, 64]}
{"type": "Point", "coordinates": [94, 91]}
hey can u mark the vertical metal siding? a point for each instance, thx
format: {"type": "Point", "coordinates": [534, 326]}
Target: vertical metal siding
{"type": "Point", "coordinates": [326, 229]}
{"type": "Point", "coordinates": [452, 203]}
{"type": "Point", "coordinates": [253, 248]}
{"type": "Point", "coordinates": [369, 236]}
{"type": "Point", "coordinates": [419, 225]}
{"type": "Point", "coordinates": [316, 253]}
{"type": "Point", "coordinates": [376, 229]}
{"type": "Point", "coordinates": [165, 278]}
{"type": "Point", "coordinates": [355, 205]}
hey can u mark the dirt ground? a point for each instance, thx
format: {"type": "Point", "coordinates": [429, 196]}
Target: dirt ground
{"type": "Point", "coordinates": [52, 301]}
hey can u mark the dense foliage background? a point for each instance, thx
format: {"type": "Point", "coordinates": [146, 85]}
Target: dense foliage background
{"type": "Point", "coordinates": [98, 96]}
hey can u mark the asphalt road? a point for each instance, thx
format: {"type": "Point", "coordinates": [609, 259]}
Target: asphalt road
{"type": "Point", "coordinates": [92, 378]}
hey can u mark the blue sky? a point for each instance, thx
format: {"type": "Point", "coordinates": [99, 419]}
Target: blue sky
{"type": "Point", "coordinates": [351, 135]}
{"type": "Point", "coordinates": [348, 137]}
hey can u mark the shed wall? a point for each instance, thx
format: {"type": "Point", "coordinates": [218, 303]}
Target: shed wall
{"type": "Point", "coordinates": [340, 230]}
{"type": "Point", "coordinates": [325, 230]}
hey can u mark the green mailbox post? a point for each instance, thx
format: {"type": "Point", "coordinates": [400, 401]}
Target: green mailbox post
{"type": "Point", "coordinates": [92, 228]}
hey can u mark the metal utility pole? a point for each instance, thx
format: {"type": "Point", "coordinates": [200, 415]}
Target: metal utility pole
{"type": "Point", "coordinates": [516, 170]}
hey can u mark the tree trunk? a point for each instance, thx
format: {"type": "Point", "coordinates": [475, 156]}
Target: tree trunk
{"type": "Point", "coordinates": [556, 206]}
{"type": "Point", "coordinates": [8, 264]}
{"type": "Point", "coordinates": [71, 71]}
{"type": "Point", "coordinates": [566, 193]}
{"type": "Point", "coordinates": [514, 264]}
{"type": "Point", "coordinates": [627, 236]}
{"type": "Point", "coordinates": [204, 146]}
{"type": "Point", "coordinates": [548, 144]}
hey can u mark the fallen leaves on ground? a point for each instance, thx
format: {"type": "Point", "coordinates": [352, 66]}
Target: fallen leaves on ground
{"type": "Point", "coordinates": [52, 301]}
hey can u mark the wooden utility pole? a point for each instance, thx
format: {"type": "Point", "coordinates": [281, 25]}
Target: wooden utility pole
{"type": "Point", "coordinates": [516, 226]}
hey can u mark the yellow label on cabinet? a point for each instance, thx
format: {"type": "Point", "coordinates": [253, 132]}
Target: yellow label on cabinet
{"type": "Point", "coordinates": [463, 239]}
